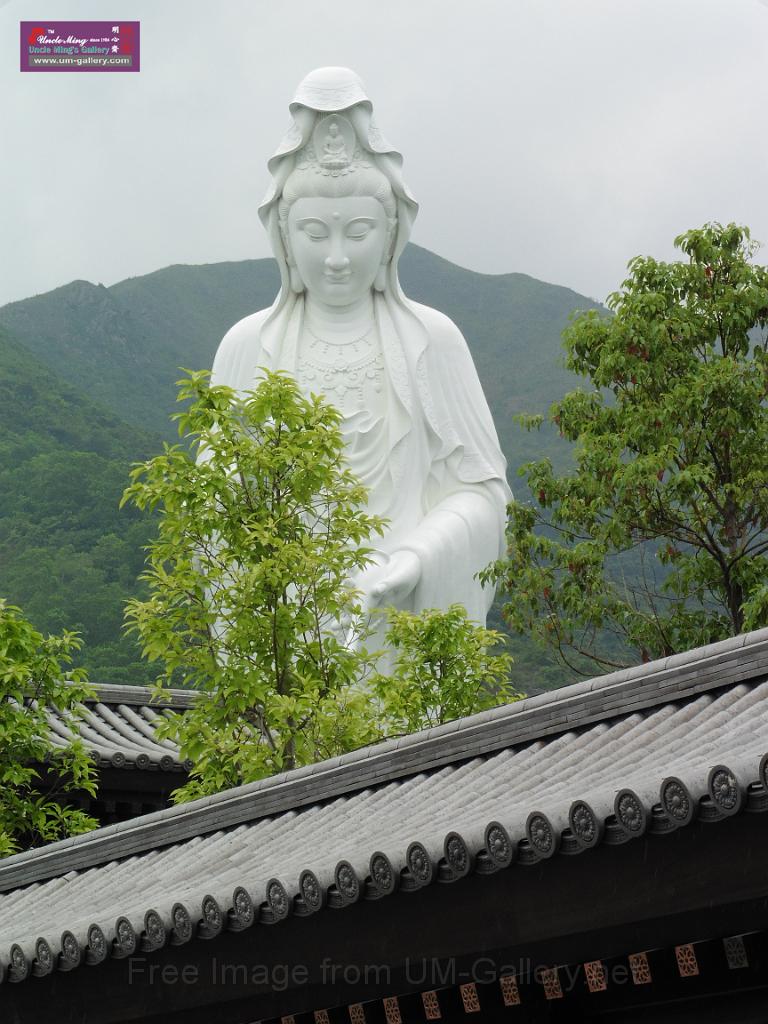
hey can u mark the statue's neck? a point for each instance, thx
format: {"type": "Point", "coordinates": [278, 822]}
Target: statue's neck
{"type": "Point", "coordinates": [339, 323]}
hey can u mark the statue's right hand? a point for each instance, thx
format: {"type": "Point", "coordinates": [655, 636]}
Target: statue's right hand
{"type": "Point", "coordinates": [401, 576]}
{"type": "Point", "coordinates": [369, 580]}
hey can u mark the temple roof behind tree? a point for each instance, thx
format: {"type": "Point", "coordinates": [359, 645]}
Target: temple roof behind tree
{"type": "Point", "coordinates": [595, 764]}
{"type": "Point", "coordinates": [137, 771]}
{"type": "Point", "coordinates": [118, 727]}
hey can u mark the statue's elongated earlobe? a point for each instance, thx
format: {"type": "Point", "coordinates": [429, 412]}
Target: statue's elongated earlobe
{"type": "Point", "coordinates": [380, 281]}
{"type": "Point", "coordinates": [297, 285]}
{"type": "Point", "coordinates": [294, 277]}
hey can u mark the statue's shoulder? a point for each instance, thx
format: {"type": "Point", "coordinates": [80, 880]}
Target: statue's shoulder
{"type": "Point", "coordinates": [239, 350]}
{"type": "Point", "coordinates": [244, 333]}
{"type": "Point", "coordinates": [444, 335]}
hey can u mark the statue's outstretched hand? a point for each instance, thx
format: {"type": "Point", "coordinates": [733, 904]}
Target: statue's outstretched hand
{"type": "Point", "coordinates": [401, 575]}
{"type": "Point", "coordinates": [387, 581]}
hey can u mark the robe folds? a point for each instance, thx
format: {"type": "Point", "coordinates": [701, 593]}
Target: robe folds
{"type": "Point", "coordinates": [432, 462]}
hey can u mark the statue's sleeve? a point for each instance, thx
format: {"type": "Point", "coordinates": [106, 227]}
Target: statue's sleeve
{"type": "Point", "coordinates": [463, 529]}
{"type": "Point", "coordinates": [456, 406]}
{"type": "Point", "coordinates": [458, 538]}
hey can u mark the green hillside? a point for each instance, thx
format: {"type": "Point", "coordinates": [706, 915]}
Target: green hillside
{"type": "Point", "coordinates": [124, 345]}
{"type": "Point", "coordinates": [68, 557]}
{"type": "Point", "coordinates": [66, 554]}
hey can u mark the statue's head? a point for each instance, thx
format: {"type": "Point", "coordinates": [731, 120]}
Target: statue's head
{"type": "Point", "coordinates": [338, 212]}
{"type": "Point", "coordinates": [338, 217]}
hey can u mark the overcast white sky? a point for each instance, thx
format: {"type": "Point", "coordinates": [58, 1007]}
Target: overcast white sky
{"type": "Point", "coordinates": [554, 137]}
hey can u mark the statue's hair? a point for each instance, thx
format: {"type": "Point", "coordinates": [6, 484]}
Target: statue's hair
{"type": "Point", "coordinates": [362, 180]}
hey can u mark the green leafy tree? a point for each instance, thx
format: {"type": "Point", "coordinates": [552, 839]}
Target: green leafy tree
{"type": "Point", "coordinates": [656, 542]}
{"type": "Point", "coordinates": [35, 774]}
{"type": "Point", "coordinates": [261, 527]}
{"type": "Point", "coordinates": [445, 667]}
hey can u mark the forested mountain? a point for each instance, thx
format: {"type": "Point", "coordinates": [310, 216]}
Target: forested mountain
{"type": "Point", "coordinates": [87, 371]}
{"type": "Point", "coordinates": [67, 555]}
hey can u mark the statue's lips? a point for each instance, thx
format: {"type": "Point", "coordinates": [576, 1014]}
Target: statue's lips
{"type": "Point", "coordinates": [337, 278]}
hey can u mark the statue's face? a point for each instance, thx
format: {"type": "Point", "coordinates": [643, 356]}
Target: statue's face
{"type": "Point", "coordinates": [337, 245]}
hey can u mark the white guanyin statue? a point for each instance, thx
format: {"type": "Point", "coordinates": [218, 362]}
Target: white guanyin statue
{"type": "Point", "coordinates": [416, 424]}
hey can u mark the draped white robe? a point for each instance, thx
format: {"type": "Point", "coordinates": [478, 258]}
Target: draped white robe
{"type": "Point", "coordinates": [434, 466]}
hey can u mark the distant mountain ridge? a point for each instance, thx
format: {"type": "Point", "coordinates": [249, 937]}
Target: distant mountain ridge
{"type": "Point", "coordinates": [87, 386]}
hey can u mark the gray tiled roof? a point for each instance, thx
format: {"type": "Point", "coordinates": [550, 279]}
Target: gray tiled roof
{"type": "Point", "coordinates": [118, 727]}
{"type": "Point", "coordinates": [605, 760]}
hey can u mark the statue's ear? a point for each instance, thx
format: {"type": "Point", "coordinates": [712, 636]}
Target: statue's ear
{"type": "Point", "coordinates": [380, 281]}
{"type": "Point", "coordinates": [297, 285]}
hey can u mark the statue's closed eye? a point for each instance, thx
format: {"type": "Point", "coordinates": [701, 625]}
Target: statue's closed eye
{"type": "Point", "coordinates": [315, 231]}
{"type": "Point", "coordinates": [360, 228]}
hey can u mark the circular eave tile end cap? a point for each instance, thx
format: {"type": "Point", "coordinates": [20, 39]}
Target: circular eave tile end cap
{"type": "Point", "coordinates": [724, 790]}
{"type": "Point", "coordinates": [125, 940]}
{"type": "Point", "coordinates": [382, 873]}
{"type": "Point", "coordinates": [541, 834]}
{"type": "Point", "coordinates": [630, 813]}
{"type": "Point", "coordinates": [243, 913]}
{"type": "Point", "coordinates": [212, 921]}
{"type": "Point", "coordinates": [420, 866]}
{"type": "Point", "coordinates": [44, 958]}
{"type": "Point", "coordinates": [18, 965]}
{"type": "Point", "coordinates": [278, 900]}
{"type": "Point", "coordinates": [498, 844]}
{"type": "Point", "coordinates": [154, 930]}
{"type": "Point", "coordinates": [182, 924]}
{"type": "Point", "coordinates": [457, 855]}
{"type": "Point", "coordinates": [679, 806]}
{"type": "Point", "coordinates": [585, 825]}
{"type": "Point", "coordinates": [96, 946]}
{"type": "Point", "coordinates": [312, 892]}
{"type": "Point", "coordinates": [347, 882]}
{"type": "Point", "coordinates": [71, 953]}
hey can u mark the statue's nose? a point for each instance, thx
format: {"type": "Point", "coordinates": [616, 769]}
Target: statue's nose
{"type": "Point", "coordinates": [336, 260]}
